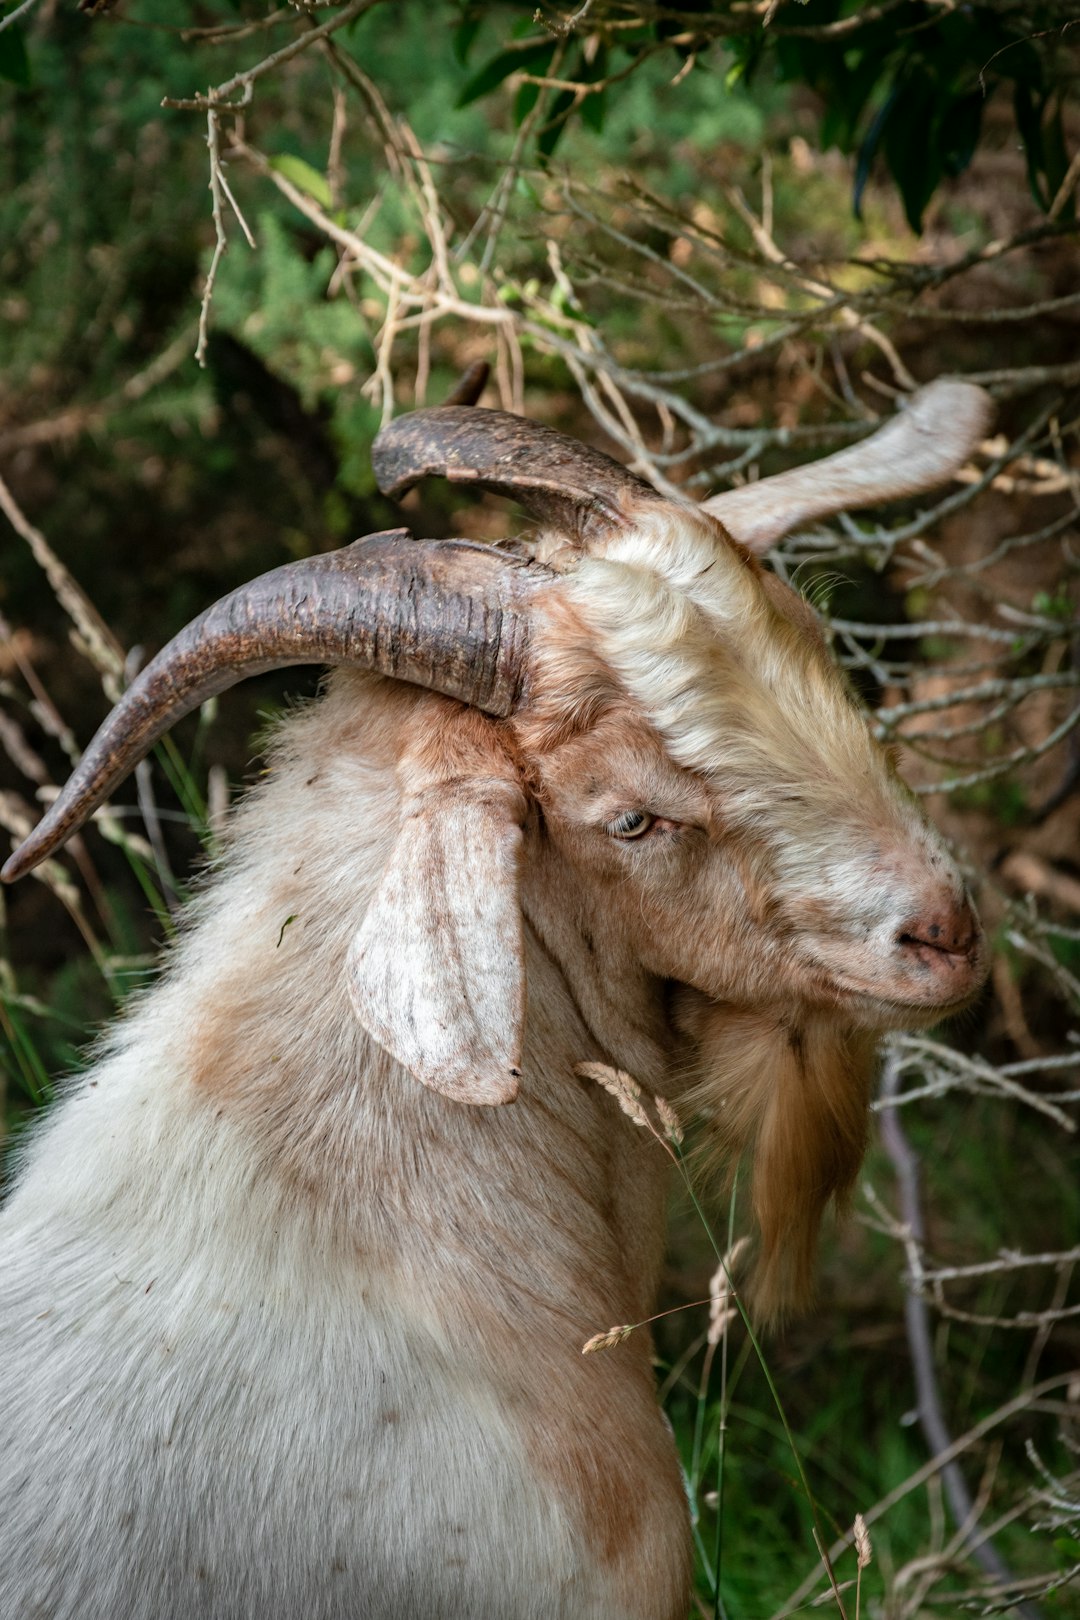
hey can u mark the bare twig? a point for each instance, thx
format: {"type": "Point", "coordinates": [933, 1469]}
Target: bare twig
{"type": "Point", "coordinates": [19, 12]}
{"type": "Point", "coordinates": [221, 243]}
{"type": "Point", "coordinates": [218, 98]}
{"type": "Point", "coordinates": [566, 25]}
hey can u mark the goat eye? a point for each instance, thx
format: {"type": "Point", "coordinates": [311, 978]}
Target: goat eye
{"type": "Point", "coordinates": [631, 824]}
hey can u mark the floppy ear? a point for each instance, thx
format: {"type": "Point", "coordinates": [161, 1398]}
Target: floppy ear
{"type": "Point", "coordinates": [436, 972]}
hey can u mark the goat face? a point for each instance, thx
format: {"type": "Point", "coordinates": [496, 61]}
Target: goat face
{"type": "Point", "coordinates": [720, 780]}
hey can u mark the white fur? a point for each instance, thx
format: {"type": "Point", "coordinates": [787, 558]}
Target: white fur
{"type": "Point", "coordinates": [232, 1394]}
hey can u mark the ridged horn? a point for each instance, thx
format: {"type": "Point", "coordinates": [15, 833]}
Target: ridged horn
{"type": "Point", "coordinates": [449, 615]}
{"type": "Point", "coordinates": [554, 477]}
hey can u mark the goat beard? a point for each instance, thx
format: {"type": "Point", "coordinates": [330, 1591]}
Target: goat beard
{"type": "Point", "coordinates": [790, 1094]}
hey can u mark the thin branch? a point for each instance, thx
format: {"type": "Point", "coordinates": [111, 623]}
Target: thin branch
{"type": "Point", "coordinates": [244, 81]}
{"type": "Point", "coordinates": [221, 244]}
{"type": "Point", "coordinates": [920, 1343]}
{"type": "Point", "coordinates": [14, 16]}
{"type": "Point", "coordinates": [568, 24]}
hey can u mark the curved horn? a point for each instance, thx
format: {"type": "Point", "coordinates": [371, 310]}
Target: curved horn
{"type": "Point", "coordinates": [470, 384]}
{"type": "Point", "coordinates": [933, 435]}
{"type": "Point", "coordinates": [448, 615]}
{"type": "Point", "coordinates": [553, 476]}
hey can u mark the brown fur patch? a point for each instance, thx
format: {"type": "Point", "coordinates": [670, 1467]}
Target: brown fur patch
{"type": "Point", "coordinates": [605, 1450]}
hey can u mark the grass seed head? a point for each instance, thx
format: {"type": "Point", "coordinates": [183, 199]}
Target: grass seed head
{"type": "Point", "coordinates": [863, 1549]}
{"type": "Point", "coordinates": [669, 1120]}
{"type": "Point", "coordinates": [607, 1341]}
{"type": "Point", "coordinates": [621, 1086]}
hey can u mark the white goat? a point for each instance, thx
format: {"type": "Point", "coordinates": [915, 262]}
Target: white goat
{"type": "Point", "coordinates": [288, 1336]}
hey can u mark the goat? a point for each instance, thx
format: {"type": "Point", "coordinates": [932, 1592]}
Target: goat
{"type": "Point", "coordinates": [288, 1336]}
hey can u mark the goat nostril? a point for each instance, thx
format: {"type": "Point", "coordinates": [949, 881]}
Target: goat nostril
{"type": "Point", "coordinates": [954, 934]}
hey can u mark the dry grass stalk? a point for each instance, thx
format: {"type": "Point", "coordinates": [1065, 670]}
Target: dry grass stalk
{"type": "Point", "coordinates": [622, 1087]}
{"type": "Point", "coordinates": [722, 1309]}
{"type": "Point", "coordinates": [863, 1554]}
{"type": "Point", "coordinates": [101, 645]}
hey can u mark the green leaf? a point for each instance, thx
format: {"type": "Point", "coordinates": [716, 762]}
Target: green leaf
{"type": "Point", "coordinates": [960, 132]}
{"type": "Point", "coordinates": [868, 149]}
{"type": "Point", "coordinates": [911, 146]}
{"type": "Point", "coordinates": [1029, 123]}
{"type": "Point", "coordinates": [552, 132]}
{"type": "Point", "coordinates": [303, 177]}
{"type": "Point", "coordinates": [1055, 152]}
{"type": "Point", "coordinates": [524, 102]}
{"type": "Point", "coordinates": [500, 67]}
{"type": "Point", "coordinates": [14, 62]}
{"type": "Point", "coordinates": [850, 88]}
{"type": "Point", "coordinates": [593, 109]}
{"type": "Point", "coordinates": [1016, 59]}
{"type": "Point", "coordinates": [524, 187]}
{"type": "Point", "coordinates": [464, 35]}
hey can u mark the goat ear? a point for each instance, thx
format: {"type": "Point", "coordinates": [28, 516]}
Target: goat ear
{"type": "Point", "coordinates": [436, 972]}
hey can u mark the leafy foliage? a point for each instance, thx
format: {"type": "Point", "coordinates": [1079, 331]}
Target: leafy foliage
{"type": "Point", "coordinates": [906, 83]}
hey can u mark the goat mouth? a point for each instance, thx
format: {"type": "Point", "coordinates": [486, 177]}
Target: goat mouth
{"type": "Point", "coordinates": [910, 979]}
{"type": "Point", "coordinates": [868, 1005]}
{"type": "Point", "coordinates": [922, 989]}
{"type": "Point", "coordinates": [888, 1009]}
